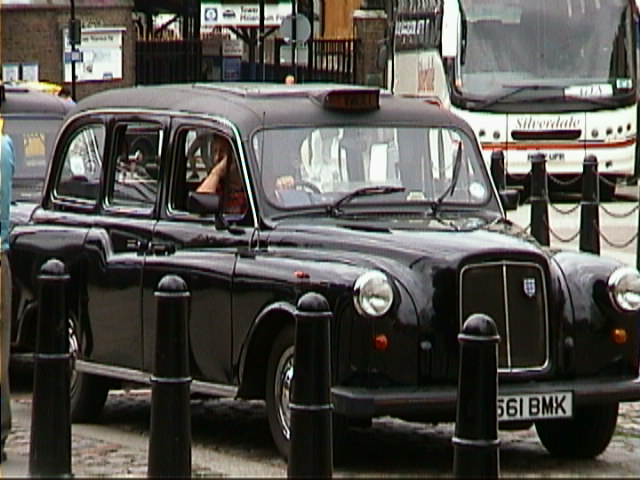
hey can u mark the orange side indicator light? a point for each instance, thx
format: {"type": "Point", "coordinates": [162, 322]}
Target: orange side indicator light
{"type": "Point", "coordinates": [380, 342]}
{"type": "Point", "coordinates": [619, 336]}
{"type": "Point", "coordinates": [300, 274]}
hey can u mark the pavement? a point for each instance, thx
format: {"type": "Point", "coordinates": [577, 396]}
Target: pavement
{"type": "Point", "coordinates": [101, 451]}
{"type": "Point", "coordinates": [104, 451]}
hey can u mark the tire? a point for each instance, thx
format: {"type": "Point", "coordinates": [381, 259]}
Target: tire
{"type": "Point", "coordinates": [586, 435]}
{"type": "Point", "coordinates": [278, 388]}
{"type": "Point", "coordinates": [88, 393]}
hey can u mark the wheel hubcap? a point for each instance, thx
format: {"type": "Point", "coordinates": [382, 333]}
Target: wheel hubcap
{"type": "Point", "coordinates": [74, 348]}
{"type": "Point", "coordinates": [284, 379]}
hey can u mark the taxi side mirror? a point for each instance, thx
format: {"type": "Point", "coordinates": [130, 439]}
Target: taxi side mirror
{"type": "Point", "coordinates": [203, 203]}
{"type": "Point", "coordinates": [509, 198]}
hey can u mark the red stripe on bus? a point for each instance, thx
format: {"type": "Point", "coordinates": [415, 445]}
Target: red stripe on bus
{"type": "Point", "coordinates": [557, 146]}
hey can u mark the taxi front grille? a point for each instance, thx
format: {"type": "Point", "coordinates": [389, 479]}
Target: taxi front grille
{"type": "Point", "coordinates": [514, 295]}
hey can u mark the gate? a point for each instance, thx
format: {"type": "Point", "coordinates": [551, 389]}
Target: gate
{"type": "Point", "coordinates": [168, 61]}
{"type": "Point", "coordinates": [329, 61]}
{"type": "Point", "coordinates": [177, 61]}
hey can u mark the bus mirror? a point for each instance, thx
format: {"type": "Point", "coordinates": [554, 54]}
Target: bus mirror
{"type": "Point", "coordinates": [383, 55]}
{"type": "Point", "coordinates": [450, 29]}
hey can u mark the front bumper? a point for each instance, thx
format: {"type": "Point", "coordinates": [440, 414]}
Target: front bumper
{"type": "Point", "coordinates": [440, 402]}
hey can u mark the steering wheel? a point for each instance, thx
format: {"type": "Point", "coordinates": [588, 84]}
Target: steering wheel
{"type": "Point", "coordinates": [306, 186]}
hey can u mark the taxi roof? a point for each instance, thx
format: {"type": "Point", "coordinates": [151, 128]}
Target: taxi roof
{"type": "Point", "coordinates": [24, 101]}
{"type": "Point", "coordinates": [252, 105]}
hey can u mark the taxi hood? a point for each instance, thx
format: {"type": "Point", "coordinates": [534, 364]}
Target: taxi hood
{"type": "Point", "coordinates": [408, 246]}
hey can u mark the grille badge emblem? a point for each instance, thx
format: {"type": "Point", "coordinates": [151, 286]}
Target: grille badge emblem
{"type": "Point", "coordinates": [529, 287]}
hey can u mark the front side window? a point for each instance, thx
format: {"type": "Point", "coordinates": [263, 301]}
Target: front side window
{"type": "Point", "coordinates": [82, 164]}
{"type": "Point", "coordinates": [207, 163]}
{"type": "Point", "coordinates": [322, 165]}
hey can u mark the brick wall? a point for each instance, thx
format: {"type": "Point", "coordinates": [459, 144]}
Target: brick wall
{"type": "Point", "coordinates": [34, 34]}
{"type": "Point", "coordinates": [370, 27]}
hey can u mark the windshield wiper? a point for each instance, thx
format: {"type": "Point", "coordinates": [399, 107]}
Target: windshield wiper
{"type": "Point", "coordinates": [515, 89]}
{"type": "Point", "coordinates": [334, 208]}
{"type": "Point", "coordinates": [435, 207]}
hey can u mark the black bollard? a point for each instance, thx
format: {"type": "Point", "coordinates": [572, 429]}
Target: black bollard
{"type": "Point", "coordinates": [170, 430]}
{"type": "Point", "coordinates": [589, 207]}
{"type": "Point", "coordinates": [638, 244]}
{"type": "Point", "coordinates": [311, 452]}
{"type": "Point", "coordinates": [498, 173]}
{"type": "Point", "coordinates": [475, 444]}
{"type": "Point", "coordinates": [50, 447]}
{"type": "Point", "coordinates": [539, 199]}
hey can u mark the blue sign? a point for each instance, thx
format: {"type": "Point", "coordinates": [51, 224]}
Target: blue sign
{"type": "Point", "coordinates": [231, 68]}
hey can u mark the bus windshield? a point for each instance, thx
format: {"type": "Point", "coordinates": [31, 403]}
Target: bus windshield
{"type": "Point", "coordinates": [510, 44]}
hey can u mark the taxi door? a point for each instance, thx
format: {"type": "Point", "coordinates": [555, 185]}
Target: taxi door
{"type": "Point", "coordinates": [200, 247]}
{"type": "Point", "coordinates": [120, 232]}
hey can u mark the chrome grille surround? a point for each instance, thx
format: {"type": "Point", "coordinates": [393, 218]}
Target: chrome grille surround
{"type": "Point", "coordinates": [518, 307]}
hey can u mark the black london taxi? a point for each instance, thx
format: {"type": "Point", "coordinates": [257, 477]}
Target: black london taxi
{"type": "Point", "coordinates": [255, 194]}
{"type": "Point", "coordinates": [31, 116]}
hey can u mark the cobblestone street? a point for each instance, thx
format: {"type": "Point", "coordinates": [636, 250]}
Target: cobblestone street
{"type": "Point", "coordinates": [232, 439]}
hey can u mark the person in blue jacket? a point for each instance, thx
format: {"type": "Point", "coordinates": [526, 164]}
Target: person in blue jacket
{"type": "Point", "coordinates": [7, 166]}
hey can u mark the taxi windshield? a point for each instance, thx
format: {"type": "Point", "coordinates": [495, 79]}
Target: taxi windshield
{"type": "Point", "coordinates": [369, 165]}
{"type": "Point", "coordinates": [33, 138]}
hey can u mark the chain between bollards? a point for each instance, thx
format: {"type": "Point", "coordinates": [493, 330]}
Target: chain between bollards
{"type": "Point", "coordinates": [539, 199]}
{"type": "Point", "coordinates": [311, 449]}
{"type": "Point", "coordinates": [50, 447]}
{"type": "Point", "coordinates": [475, 444]}
{"type": "Point", "coordinates": [170, 430]}
{"type": "Point", "coordinates": [590, 204]}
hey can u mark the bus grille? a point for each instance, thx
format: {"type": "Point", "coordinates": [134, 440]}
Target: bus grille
{"type": "Point", "coordinates": [514, 295]}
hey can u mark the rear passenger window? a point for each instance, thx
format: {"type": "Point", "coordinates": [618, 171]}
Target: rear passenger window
{"type": "Point", "coordinates": [138, 147]}
{"type": "Point", "coordinates": [82, 165]}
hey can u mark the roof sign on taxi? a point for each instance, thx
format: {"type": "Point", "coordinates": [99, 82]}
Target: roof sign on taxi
{"type": "Point", "coordinates": [360, 100]}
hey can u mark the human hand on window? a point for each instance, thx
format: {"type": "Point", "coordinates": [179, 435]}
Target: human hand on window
{"type": "Point", "coordinates": [285, 182]}
{"type": "Point", "coordinates": [213, 180]}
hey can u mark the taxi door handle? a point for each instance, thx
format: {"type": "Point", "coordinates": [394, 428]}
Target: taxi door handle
{"type": "Point", "coordinates": [161, 248]}
{"type": "Point", "coordinates": [136, 245]}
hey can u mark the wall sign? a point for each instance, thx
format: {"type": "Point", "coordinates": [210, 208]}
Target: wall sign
{"type": "Point", "coordinates": [98, 57]}
{"type": "Point", "coordinates": [242, 14]}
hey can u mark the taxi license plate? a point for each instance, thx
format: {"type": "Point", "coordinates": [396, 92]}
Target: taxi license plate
{"type": "Point", "coordinates": [535, 406]}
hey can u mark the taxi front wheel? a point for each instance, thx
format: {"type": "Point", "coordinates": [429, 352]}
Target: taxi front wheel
{"type": "Point", "coordinates": [586, 435]}
{"type": "Point", "coordinates": [279, 382]}
{"type": "Point", "coordinates": [88, 393]}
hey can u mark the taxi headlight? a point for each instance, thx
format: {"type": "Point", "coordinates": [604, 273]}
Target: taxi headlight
{"type": "Point", "coordinates": [624, 289]}
{"type": "Point", "coordinates": [372, 294]}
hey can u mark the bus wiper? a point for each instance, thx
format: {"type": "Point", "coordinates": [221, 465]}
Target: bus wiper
{"type": "Point", "coordinates": [515, 89]}
{"type": "Point", "coordinates": [435, 207]}
{"type": "Point", "coordinates": [334, 208]}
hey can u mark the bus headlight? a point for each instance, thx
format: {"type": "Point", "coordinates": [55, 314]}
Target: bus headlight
{"type": "Point", "coordinates": [624, 289]}
{"type": "Point", "coordinates": [372, 294]}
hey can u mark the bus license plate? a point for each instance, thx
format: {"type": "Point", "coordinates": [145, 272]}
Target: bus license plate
{"type": "Point", "coordinates": [555, 157]}
{"type": "Point", "coordinates": [535, 406]}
